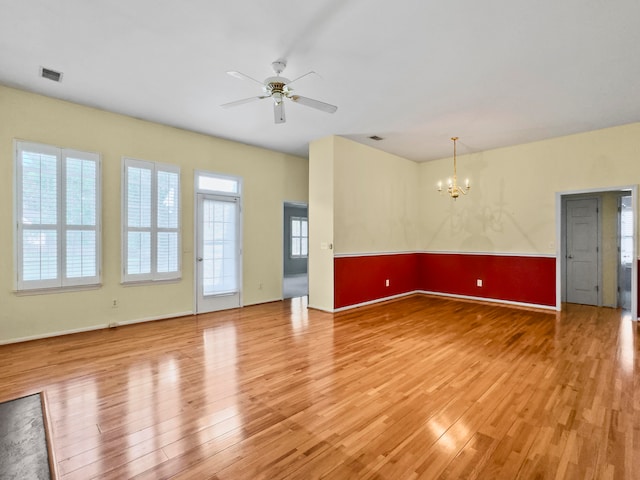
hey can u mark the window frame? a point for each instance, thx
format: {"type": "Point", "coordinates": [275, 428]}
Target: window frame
{"type": "Point", "coordinates": [61, 282]}
{"type": "Point", "coordinates": [301, 237]}
{"type": "Point", "coordinates": [153, 276]}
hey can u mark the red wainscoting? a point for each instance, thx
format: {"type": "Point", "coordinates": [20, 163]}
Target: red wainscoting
{"type": "Point", "coordinates": [359, 279]}
{"type": "Point", "coordinates": [362, 279]}
{"type": "Point", "coordinates": [504, 277]}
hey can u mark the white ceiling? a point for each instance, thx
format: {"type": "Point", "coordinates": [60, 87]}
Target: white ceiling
{"type": "Point", "coordinates": [415, 72]}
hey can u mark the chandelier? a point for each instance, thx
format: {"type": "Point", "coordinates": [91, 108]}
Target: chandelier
{"type": "Point", "coordinates": [453, 189]}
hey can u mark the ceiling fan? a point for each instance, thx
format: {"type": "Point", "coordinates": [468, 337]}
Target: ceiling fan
{"type": "Point", "coordinates": [278, 88]}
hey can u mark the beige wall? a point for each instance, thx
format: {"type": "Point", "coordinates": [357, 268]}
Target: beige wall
{"type": "Point", "coordinates": [321, 223]}
{"type": "Point", "coordinates": [375, 196]}
{"type": "Point", "coordinates": [511, 207]}
{"type": "Point", "coordinates": [270, 178]}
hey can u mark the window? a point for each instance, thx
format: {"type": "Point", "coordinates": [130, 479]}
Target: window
{"type": "Point", "coordinates": [218, 184]}
{"type": "Point", "coordinates": [58, 221]}
{"type": "Point", "coordinates": [626, 231]}
{"type": "Point", "coordinates": [299, 237]}
{"type": "Point", "coordinates": [151, 221]}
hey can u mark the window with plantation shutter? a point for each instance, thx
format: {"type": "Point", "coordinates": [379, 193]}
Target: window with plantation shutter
{"type": "Point", "coordinates": [57, 217]}
{"type": "Point", "coordinates": [151, 221]}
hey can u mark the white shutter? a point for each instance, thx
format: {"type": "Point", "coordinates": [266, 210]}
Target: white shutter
{"type": "Point", "coordinates": [137, 201]}
{"type": "Point", "coordinates": [81, 229]}
{"type": "Point", "coordinates": [57, 205]}
{"type": "Point", "coordinates": [151, 209]}
{"type": "Point", "coordinates": [168, 221]}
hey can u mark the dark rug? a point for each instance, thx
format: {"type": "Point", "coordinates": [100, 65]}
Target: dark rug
{"type": "Point", "coordinates": [23, 444]}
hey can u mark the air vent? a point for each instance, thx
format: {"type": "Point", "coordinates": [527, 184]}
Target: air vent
{"type": "Point", "coordinates": [50, 74]}
{"type": "Point", "coordinates": [376, 138]}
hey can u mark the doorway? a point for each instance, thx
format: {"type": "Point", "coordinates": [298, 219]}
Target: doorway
{"type": "Point", "coordinates": [218, 258]}
{"type": "Point", "coordinates": [295, 278]}
{"type": "Point", "coordinates": [590, 265]}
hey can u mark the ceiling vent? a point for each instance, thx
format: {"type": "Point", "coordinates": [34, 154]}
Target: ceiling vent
{"type": "Point", "coordinates": [376, 138]}
{"type": "Point", "coordinates": [50, 74]}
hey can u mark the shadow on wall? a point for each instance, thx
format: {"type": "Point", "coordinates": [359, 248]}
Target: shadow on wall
{"type": "Point", "coordinates": [474, 219]}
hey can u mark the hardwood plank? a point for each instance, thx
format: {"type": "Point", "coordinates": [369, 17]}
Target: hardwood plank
{"type": "Point", "coordinates": [421, 387]}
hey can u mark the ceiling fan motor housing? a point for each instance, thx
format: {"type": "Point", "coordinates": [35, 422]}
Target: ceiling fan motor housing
{"type": "Point", "coordinates": [276, 87]}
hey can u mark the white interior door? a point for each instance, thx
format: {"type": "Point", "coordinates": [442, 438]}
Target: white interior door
{"type": "Point", "coordinates": [217, 253]}
{"type": "Point", "coordinates": [582, 251]}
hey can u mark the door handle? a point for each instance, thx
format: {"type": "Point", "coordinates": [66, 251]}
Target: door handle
{"type": "Point", "coordinates": [569, 256]}
{"type": "Point", "coordinates": [199, 259]}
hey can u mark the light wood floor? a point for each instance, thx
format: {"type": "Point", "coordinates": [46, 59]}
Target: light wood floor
{"type": "Point", "coordinates": [423, 387]}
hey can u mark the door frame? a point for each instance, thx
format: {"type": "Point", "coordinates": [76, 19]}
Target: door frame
{"type": "Point", "coordinates": [560, 261]}
{"type": "Point", "coordinates": [285, 240]}
{"type": "Point", "coordinates": [239, 196]}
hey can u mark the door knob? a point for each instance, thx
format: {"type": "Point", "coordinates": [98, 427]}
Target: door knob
{"type": "Point", "coordinates": [199, 259]}
{"type": "Point", "coordinates": [570, 256]}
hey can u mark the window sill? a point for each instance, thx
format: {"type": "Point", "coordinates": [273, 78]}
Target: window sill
{"type": "Point", "coordinates": [52, 290]}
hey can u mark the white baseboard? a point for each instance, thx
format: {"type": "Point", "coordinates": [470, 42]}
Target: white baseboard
{"type": "Point", "coordinates": [92, 328]}
{"type": "Point", "coordinates": [261, 302]}
{"type": "Point", "coordinates": [150, 319]}
{"type": "Point", "coordinates": [451, 295]}
{"type": "Point", "coordinates": [327, 310]}
{"type": "Point", "coordinates": [336, 310]}
{"type": "Point", "coordinates": [485, 299]}
{"type": "Point", "coordinates": [377, 300]}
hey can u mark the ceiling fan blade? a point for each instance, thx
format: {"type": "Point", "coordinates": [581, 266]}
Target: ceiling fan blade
{"type": "Point", "coordinates": [243, 101]}
{"type": "Point", "coordinates": [243, 76]}
{"type": "Point", "coordinates": [310, 102]}
{"type": "Point", "coordinates": [278, 112]}
{"type": "Point", "coordinates": [301, 76]}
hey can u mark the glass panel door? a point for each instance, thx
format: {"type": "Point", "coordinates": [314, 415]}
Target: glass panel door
{"type": "Point", "coordinates": [218, 253]}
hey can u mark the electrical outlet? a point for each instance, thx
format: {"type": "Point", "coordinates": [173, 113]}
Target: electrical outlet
{"type": "Point", "coordinates": [260, 286]}
{"type": "Point", "coordinates": [114, 303]}
{"type": "Point", "coordinates": [478, 282]}
{"type": "Point", "coordinates": [386, 282]}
